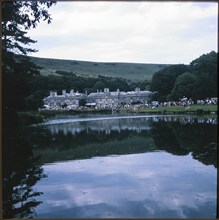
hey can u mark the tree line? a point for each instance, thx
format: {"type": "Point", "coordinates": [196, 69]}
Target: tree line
{"type": "Point", "coordinates": [27, 93]}
{"type": "Point", "coordinates": [196, 81]}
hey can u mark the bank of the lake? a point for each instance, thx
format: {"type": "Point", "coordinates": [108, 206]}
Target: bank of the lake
{"type": "Point", "coordinates": [34, 117]}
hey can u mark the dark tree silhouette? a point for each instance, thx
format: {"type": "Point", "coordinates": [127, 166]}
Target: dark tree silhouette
{"type": "Point", "coordinates": [17, 18]}
{"type": "Point", "coordinates": [19, 172]}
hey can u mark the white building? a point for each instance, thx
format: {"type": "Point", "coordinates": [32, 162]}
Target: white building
{"type": "Point", "coordinates": [99, 99]}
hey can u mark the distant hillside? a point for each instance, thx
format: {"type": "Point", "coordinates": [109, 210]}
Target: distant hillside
{"type": "Point", "coordinates": [130, 71]}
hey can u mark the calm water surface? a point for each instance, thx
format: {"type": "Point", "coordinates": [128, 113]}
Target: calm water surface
{"type": "Point", "coordinates": [107, 166]}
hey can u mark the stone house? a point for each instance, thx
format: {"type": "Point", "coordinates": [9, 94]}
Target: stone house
{"type": "Point", "coordinates": [99, 99]}
{"type": "Point", "coordinates": [65, 99]}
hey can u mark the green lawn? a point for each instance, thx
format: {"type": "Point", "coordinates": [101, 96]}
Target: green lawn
{"type": "Point", "coordinates": [199, 109]}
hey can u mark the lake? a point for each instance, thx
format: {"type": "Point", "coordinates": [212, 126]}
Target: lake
{"type": "Point", "coordinates": [113, 166]}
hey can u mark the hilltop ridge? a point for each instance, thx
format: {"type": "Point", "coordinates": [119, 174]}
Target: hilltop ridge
{"type": "Point", "coordinates": [130, 71]}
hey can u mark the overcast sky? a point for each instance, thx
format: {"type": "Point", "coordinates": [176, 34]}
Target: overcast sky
{"type": "Point", "coordinates": [138, 32]}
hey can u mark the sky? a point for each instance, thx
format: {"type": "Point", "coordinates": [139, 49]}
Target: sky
{"type": "Point", "coordinates": [136, 32]}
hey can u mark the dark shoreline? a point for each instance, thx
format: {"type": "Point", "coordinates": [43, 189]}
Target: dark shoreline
{"type": "Point", "coordinates": [34, 117]}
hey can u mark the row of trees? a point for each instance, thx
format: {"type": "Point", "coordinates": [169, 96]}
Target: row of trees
{"type": "Point", "coordinates": [197, 80]}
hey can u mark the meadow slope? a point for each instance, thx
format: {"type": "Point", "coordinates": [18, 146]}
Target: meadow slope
{"type": "Point", "coordinates": [130, 71]}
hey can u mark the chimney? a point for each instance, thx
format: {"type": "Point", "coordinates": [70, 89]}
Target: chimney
{"type": "Point", "coordinates": [63, 92]}
{"type": "Point", "coordinates": [51, 93]}
{"type": "Point", "coordinates": [117, 90]}
{"type": "Point", "coordinates": [72, 91]}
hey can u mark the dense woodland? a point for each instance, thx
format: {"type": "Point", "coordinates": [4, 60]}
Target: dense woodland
{"type": "Point", "coordinates": [197, 80]}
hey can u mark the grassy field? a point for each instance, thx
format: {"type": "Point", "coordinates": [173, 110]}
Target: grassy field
{"type": "Point", "coordinates": [197, 109]}
{"type": "Point", "coordinates": [130, 71]}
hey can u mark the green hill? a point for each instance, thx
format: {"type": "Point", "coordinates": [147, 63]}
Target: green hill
{"type": "Point", "coordinates": [129, 71]}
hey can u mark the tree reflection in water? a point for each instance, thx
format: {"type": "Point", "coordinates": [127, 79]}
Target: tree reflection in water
{"type": "Point", "coordinates": [178, 135]}
{"type": "Point", "coordinates": [20, 174]}
{"type": "Point", "coordinates": [181, 138]}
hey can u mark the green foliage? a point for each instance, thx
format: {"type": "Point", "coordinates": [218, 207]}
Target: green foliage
{"type": "Point", "coordinates": [27, 118]}
{"type": "Point", "coordinates": [100, 85]}
{"type": "Point", "coordinates": [163, 80]}
{"type": "Point", "coordinates": [39, 86]}
{"type": "Point", "coordinates": [145, 85]}
{"type": "Point", "coordinates": [184, 86]}
{"type": "Point", "coordinates": [17, 18]}
{"type": "Point", "coordinates": [65, 73]}
{"type": "Point", "coordinates": [16, 77]}
{"type": "Point", "coordinates": [205, 69]}
{"type": "Point", "coordinates": [198, 80]}
{"type": "Point", "coordinates": [205, 63]}
{"type": "Point", "coordinates": [119, 83]}
{"type": "Point", "coordinates": [82, 102]}
{"type": "Point", "coordinates": [34, 100]}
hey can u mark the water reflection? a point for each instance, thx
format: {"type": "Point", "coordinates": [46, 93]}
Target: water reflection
{"type": "Point", "coordinates": [182, 138]}
{"type": "Point", "coordinates": [147, 185]}
{"type": "Point", "coordinates": [186, 119]}
{"type": "Point", "coordinates": [155, 167]}
{"type": "Point", "coordinates": [179, 135]}
{"type": "Point", "coordinates": [108, 124]}
{"type": "Point", "coordinates": [20, 174]}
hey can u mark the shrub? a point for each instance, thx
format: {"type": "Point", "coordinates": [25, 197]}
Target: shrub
{"type": "Point", "coordinates": [27, 118]}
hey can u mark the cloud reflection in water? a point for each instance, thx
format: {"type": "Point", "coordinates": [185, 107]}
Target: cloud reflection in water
{"type": "Point", "coordinates": [152, 185]}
